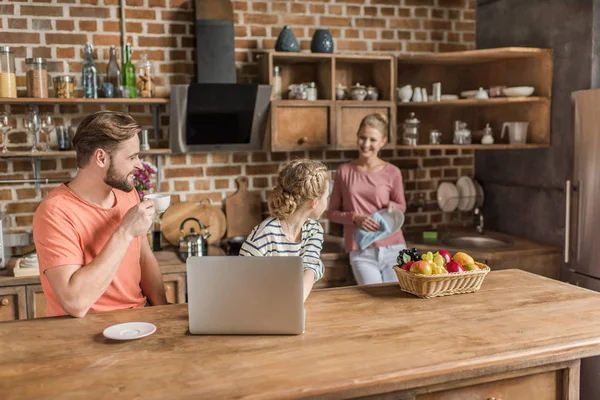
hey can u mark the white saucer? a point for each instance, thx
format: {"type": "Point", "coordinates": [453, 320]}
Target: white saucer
{"type": "Point", "coordinates": [480, 194]}
{"type": "Point", "coordinates": [394, 219]}
{"type": "Point", "coordinates": [129, 331]}
{"type": "Point", "coordinates": [447, 196]}
{"type": "Point", "coordinates": [466, 193]}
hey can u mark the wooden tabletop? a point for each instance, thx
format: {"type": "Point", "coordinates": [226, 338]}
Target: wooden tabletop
{"type": "Point", "coordinates": [358, 340]}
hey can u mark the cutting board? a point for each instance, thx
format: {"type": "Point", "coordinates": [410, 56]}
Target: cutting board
{"type": "Point", "coordinates": [209, 215]}
{"type": "Point", "coordinates": [243, 209]}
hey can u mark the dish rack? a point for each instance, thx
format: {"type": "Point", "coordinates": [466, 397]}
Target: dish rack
{"type": "Point", "coordinates": [429, 286]}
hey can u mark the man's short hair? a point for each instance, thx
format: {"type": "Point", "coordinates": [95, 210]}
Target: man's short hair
{"type": "Point", "coordinates": [103, 130]}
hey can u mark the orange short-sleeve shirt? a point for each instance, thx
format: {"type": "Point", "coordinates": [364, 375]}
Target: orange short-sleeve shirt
{"type": "Point", "coordinates": [68, 230]}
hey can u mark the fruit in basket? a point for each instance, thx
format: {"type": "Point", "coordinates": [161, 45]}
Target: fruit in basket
{"type": "Point", "coordinates": [446, 254]}
{"type": "Point", "coordinates": [439, 260]}
{"type": "Point", "coordinates": [438, 269]}
{"type": "Point", "coordinates": [421, 267]}
{"type": "Point", "coordinates": [463, 258]}
{"type": "Point", "coordinates": [471, 267]}
{"type": "Point", "coordinates": [406, 255]}
{"type": "Point", "coordinates": [406, 266]}
{"type": "Point", "coordinates": [454, 266]}
{"type": "Point", "coordinates": [427, 257]}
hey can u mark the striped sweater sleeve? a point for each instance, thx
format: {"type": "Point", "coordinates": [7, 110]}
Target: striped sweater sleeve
{"type": "Point", "coordinates": [311, 250]}
{"type": "Point", "coordinates": [251, 246]}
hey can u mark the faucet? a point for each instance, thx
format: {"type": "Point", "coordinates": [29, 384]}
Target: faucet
{"type": "Point", "coordinates": [479, 218]}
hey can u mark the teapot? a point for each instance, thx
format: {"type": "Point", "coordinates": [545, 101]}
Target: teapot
{"type": "Point", "coordinates": [194, 243]}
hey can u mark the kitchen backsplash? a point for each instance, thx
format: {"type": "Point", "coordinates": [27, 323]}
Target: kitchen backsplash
{"type": "Point", "coordinates": [57, 30]}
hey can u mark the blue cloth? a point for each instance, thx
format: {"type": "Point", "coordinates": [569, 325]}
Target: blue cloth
{"type": "Point", "coordinates": [364, 238]}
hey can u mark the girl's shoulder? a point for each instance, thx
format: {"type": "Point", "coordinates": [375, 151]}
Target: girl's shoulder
{"type": "Point", "coordinates": [312, 226]}
{"type": "Point", "coordinates": [268, 227]}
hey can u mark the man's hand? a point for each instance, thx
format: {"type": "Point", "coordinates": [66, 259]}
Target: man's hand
{"type": "Point", "coordinates": [138, 219]}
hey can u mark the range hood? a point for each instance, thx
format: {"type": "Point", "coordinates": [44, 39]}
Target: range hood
{"type": "Point", "coordinates": [216, 113]}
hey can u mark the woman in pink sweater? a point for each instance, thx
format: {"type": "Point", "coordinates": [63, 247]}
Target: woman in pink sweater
{"type": "Point", "coordinates": [362, 187]}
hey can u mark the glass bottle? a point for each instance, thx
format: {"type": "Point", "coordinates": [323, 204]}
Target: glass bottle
{"type": "Point", "coordinates": [89, 74]}
{"type": "Point", "coordinates": [277, 84]}
{"type": "Point", "coordinates": [8, 77]}
{"type": "Point", "coordinates": [113, 72]}
{"type": "Point", "coordinates": [145, 79]}
{"type": "Point", "coordinates": [129, 73]}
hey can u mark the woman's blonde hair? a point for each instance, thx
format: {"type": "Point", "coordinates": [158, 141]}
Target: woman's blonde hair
{"type": "Point", "coordinates": [299, 181]}
{"type": "Point", "coordinates": [376, 121]}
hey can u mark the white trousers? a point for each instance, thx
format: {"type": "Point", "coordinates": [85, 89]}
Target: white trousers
{"type": "Point", "coordinates": [375, 264]}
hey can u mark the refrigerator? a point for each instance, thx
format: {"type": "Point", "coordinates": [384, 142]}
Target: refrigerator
{"type": "Point", "coordinates": [581, 265]}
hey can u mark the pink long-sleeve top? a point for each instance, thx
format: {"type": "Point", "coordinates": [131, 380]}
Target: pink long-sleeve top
{"type": "Point", "coordinates": [356, 192]}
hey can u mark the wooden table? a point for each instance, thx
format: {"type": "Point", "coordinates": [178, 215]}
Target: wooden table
{"type": "Point", "coordinates": [520, 337]}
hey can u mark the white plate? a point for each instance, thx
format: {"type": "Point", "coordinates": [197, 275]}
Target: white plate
{"type": "Point", "coordinates": [472, 194]}
{"type": "Point", "coordinates": [480, 194]}
{"type": "Point", "coordinates": [518, 91]}
{"type": "Point", "coordinates": [464, 192]}
{"type": "Point", "coordinates": [129, 331]}
{"type": "Point", "coordinates": [394, 219]}
{"type": "Point", "coordinates": [448, 97]}
{"type": "Point", "coordinates": [468, 94]}
{"type": "Point", "coordinates": [447, 197]}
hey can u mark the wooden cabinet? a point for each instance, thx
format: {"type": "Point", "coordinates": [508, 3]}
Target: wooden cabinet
{"type": "Point", "coordinates": [36, 302]}
{"type": "Point", "coordinates": [175, 288]}
{"type": "Point", "coordinates": [470, 70]}
{"type": "Point", "coordinates": [547, 265]}
{"type": "Point", "coordinates": [12, 303]}
{"type": "Point", "coordinates": [327, 123]}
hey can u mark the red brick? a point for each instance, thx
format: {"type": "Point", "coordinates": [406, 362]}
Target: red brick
{"type": "Point", "coordinates": [6, 194]}
{"type": "Point", "coordinates": [41, 11]}
{"type": "Point", "coordinates": [188, 42]}
{"type": "Point", "coordinates": [183, 172]}
{"type": "Point", "coordinates": [202, 185]}
{"type": "Point", "coordinates": [110, 26]}
{"type": "Point", "coordinates": [453, 36]}
{"type": "Point", "coordinates": [370, 23]}
{"type": "Point", "coordinates": [65, 38]}
{"type": "Point", "coordinates": [351, 33]}
{"type": "Point", "coordinates": [351, 1]}
{"type": "Point", "coordinates": [420, 47]}
{"type": "Point", "coordinates": [439, 25]}
{"type": "Point", "coordinates": [134, 27]}
{"type": "Point", "coordinates": [464, 26]}
{"type": "Point", "coordinates": [261, 157]}
{"type": "Point", "coordinates": [421, 12]}
{"type": "Point", "coordinates": [223, 171]}
{"type": "Point", "coordinates": [403, 12]}
{"type": "Point", "coordinates": [155, 28]}
{"type": "Point", "coordinates": [387, 35]}
{"type": "Point", "coordinates": [317, 9]}
{"type": "Point", "coordinates": [21, 207]}
{"type": "Point", "coordinates": [157, 3]}
{"type": "Point", "coordinates": [182, 186]}
{"type": "Point", "coordinates": [41, 24]}
{"type": "Point", "coordinates": [335, 9]}
{"type": "Point", "coordinates": [369, 34]}
{"type": "Point", "coordinates": [261, 19]}
{"type": "Point", "coordinates": [405, 24]}
{"type": "Point", "coordinates": [240, 157]}
{"type": "Point", "coordinates": [444, 47]}
{"type": "Point", "coordinates": [134, 3]}
{"type": "Point", "coordinates": [185, 16]}
{"type": "Point", "coordinates": [421, 36]}
{"type": "Point", "coordinates": [7, 9]}
{"type": "Point", "coordinates": [420, 3]}
{"type": "Point", "coordinates": [178, 159]}
{"type": "Point", "coordinates": [259, 31]}
{"type": "Point", "coordinates": [468, 15]}
{"type": "Point", "coordinates": [44, 52]}
{"type": "Point", "coordinates": [63, 53]}
{"type": "Point", "coordinates": [161, 41]}
{"type": "Point", "coordinates": [106, 40]}
{"type": "Point", "coordinates": [24, 220]}
{"type": "Point", "coordinates": [65, 25]}
{"type": "Point", "coordinates": [17, 23]}
{"type": "Point", "coordinates": [259, 7]}
{"type": "Point", "coordinates": [335, 21]}
{"type": "Point", "coordinates": [240, 5]}
{"type": "Point", "coordinates": [279, 7]}
{"type": "Point", "coordinates": [246, 44]}
{"type": "Point", "coordinates": [351, 45]}
{"type": "Point", "coordinates": [88, 26]}
{"type": "Point", "coordinates": [20, 37]}
{"type": "Point", "coordinates": [259, 182]}
{"type": "Point", "coordinates": [437, 36]}
{"type": "Point", "coordinates": [25, 194]}
{"type": "Point", "coordinates": [388, 11]}
{"type": "Point", "coordinates": [262, 169]}
{"type": "Point", "coordinates": [387, 46]}
{"type": "Point", "coordinates": [219, 158]}
{"type": "Point", "coordinates": [454, 14]}
{"type": "Point", "coordinates": [90, 2]}
{"type": "Point", "coordinates": [91, 12]}
{"type": "Point", "coordinates": [177, 29]}
{"type": "Point", "coordinates": [451, 3]}
{"type": "Point", "coordinates": [298, 8]}
{"type": "Point", "coordinates": [199, 159]}
{"type": "Point", "coordinates": [298, 20]}
{"type": "Point", "coordinates": [370, 11]}
{"type": "Point", "coordinates": [134, 13]}
{"type": "Point", "coordinates": [222, 184]}
{"type": "Point", "coordinates": [177, 55]}
{"type": "Point", "coordinates": [440, 14]}
{"type": "Point", "coordinates": [468, 37]}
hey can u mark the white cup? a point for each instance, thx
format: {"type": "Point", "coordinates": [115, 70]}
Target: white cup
{"type": "Point", "coordinates": [161, 201]}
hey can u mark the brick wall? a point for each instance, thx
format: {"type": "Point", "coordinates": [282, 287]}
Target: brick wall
{"type": "Point", "coordinates": [57, 30]}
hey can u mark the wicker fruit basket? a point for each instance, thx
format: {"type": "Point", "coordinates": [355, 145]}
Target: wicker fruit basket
{"type": "Point", "coordinates": [428, 286]}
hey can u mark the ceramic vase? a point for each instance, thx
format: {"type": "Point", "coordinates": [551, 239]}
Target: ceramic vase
{"type": "Point", "coordinates": [322, 42]}
{"type": "Point", "coordinates": [286, 41]}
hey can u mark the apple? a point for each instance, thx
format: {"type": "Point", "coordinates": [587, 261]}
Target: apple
{"type": "Point", "coordinates": [446, 254]}
{"type": "Point", "coordinates": [453, 266]}
{"type": "Point", "coordinates": [421, 267]}
{"type": "Point", "coordinates": [471, 267]}
{"type": "Point", "coordinates": [406, 266]}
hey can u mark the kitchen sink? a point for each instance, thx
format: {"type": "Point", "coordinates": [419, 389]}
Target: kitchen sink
{"type": "Point", "coordinates": [477, 242]}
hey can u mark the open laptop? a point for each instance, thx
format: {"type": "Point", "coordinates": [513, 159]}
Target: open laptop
{"type": "Point", "coordinates": [245, 295]}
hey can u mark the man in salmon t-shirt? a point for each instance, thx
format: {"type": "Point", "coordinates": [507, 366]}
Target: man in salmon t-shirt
{"type": "Point", "coordinates": [90, 234]}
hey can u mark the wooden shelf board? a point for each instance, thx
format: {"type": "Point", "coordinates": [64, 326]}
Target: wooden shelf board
{"type": "Point", "coordinates": [71, 153]}
{"type": "Point", "coordinates": [362, 58]}
{"type": "Point", "coordinates": [500, 146]}
{"type": "Point", "coordinates": [300, 57]}
{"type": "Point", "coordinates": [472, 56]}
{"type": "Point", "coordinates": [365, 103]}
{"type": "Point", "coordinates": [76, 101]}
{"type": "Point", "coordinates": [475, 102]}
{"type": "Point", "coordinates": [301, 103]}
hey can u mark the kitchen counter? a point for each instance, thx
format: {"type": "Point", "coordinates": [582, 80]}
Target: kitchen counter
{"type": "Point", "coordinates": [520, 334]}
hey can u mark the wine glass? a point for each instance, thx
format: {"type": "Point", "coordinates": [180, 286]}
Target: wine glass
{"type": "Point", "coordinates": [32, 124]}
{"type": "Point", "coordinates": [4, 128]}
{"type": "Point", "coordinates": [47, 127]}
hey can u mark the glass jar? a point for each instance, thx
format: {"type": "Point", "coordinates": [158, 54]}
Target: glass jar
{"type": "Point", "coordinates": [410, 135]}
{"type": "Point", "coordinates": [277, 83]}
{"type": "Point", "coordinates": [37, 77]}
{"type": "Point", "coordinates": [312, 91]}
{"type": "Point", "coordinates": [8, 76]}
{"type": "Point", "coordinates": [145, 78]}
{"type": "Point", "coordinates": [63, 87]}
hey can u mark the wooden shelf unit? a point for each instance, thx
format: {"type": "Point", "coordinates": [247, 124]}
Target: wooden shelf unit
{"type": "Point", "coordinates": [470, 70]}
{"type": "Point", "coordinates": [502, 146]}
{"type": "Point", "coordinates": [70, 153]}
{"type": "Point", "coordinates": [54, 100]}
{"type": "Point", "coordinates": [324, 124]}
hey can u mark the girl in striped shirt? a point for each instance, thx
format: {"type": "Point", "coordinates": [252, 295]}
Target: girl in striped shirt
{"type": "Point", "coordinates": [295, 205]}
